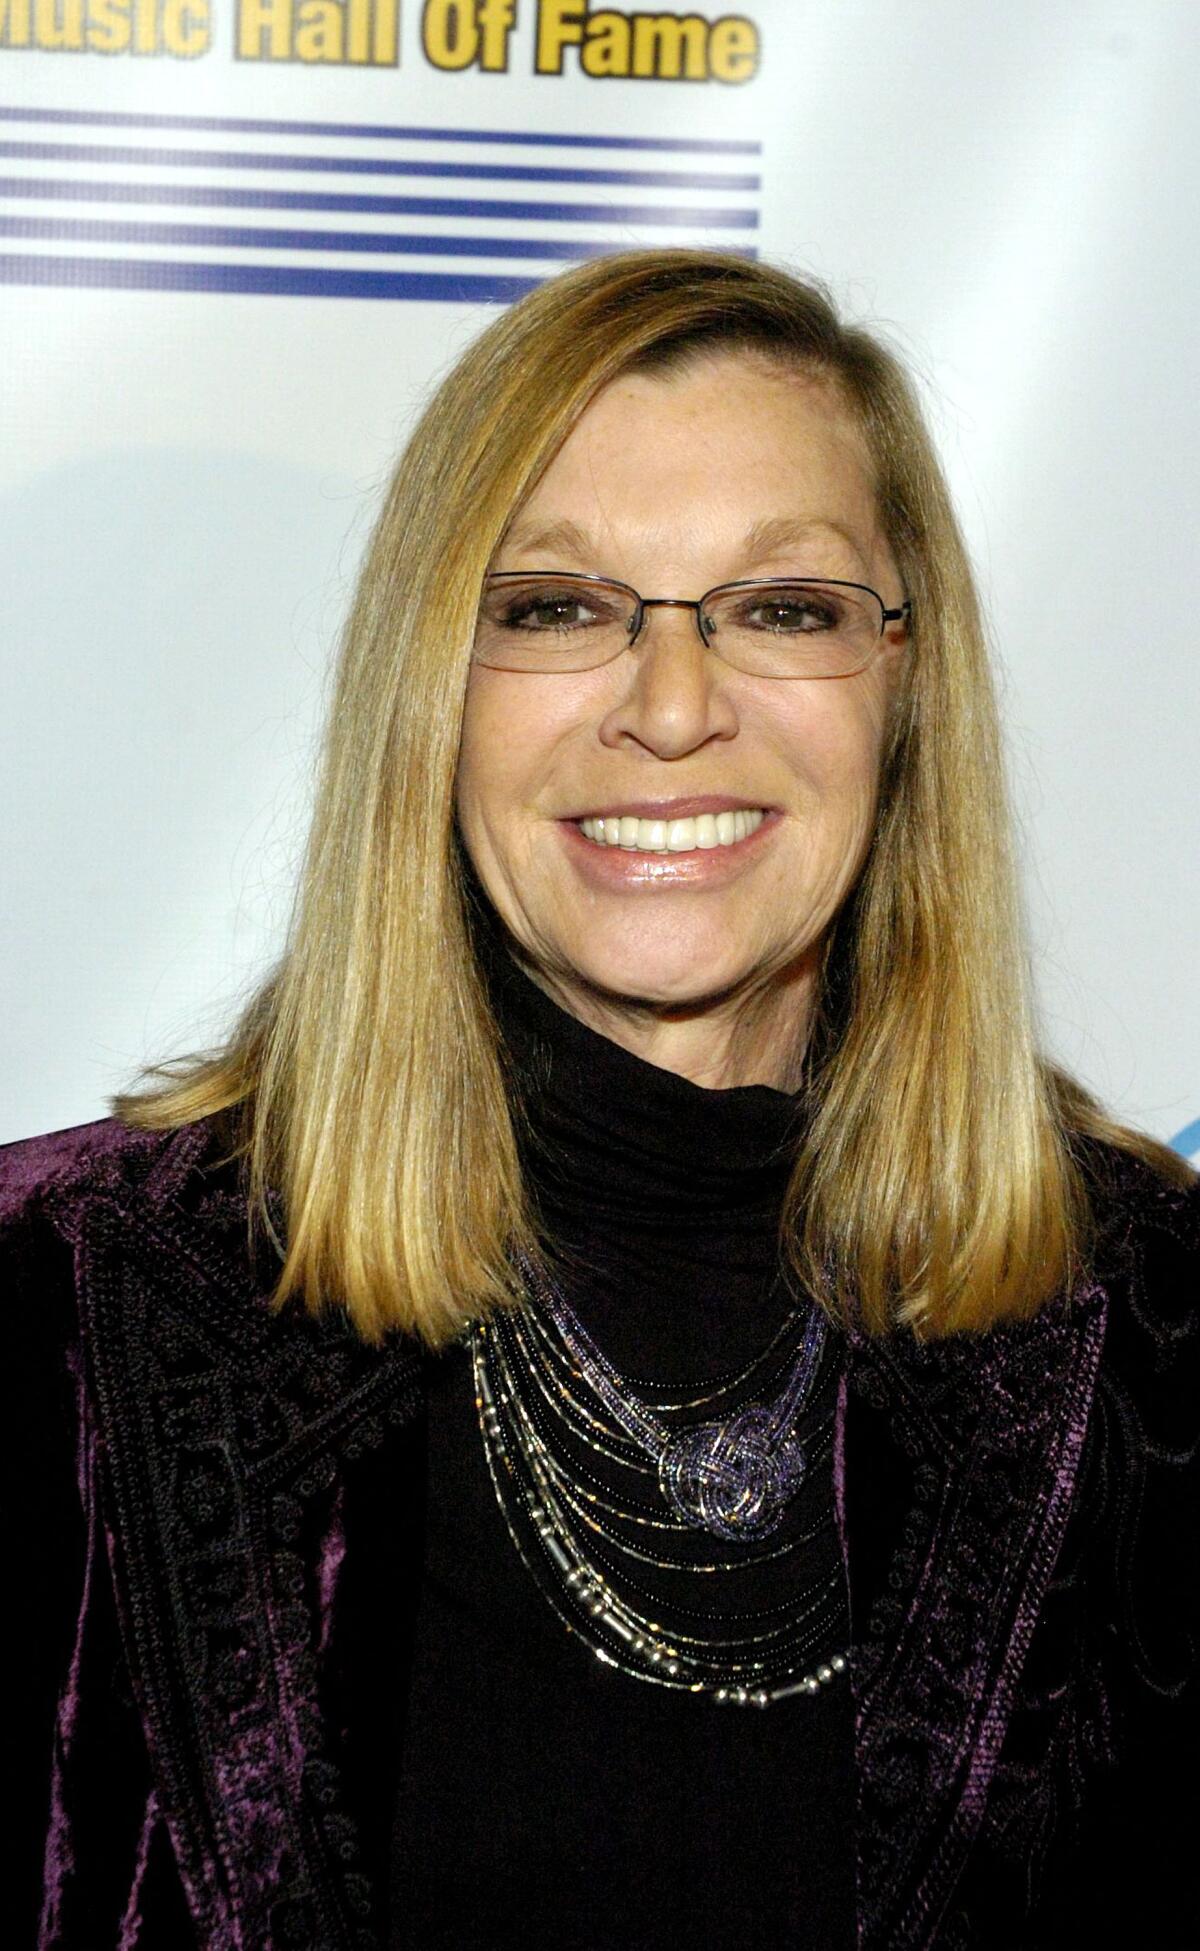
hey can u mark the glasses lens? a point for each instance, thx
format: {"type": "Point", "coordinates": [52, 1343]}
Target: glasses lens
{"type": "Point", "coordinates": [800, 629]}
{"type": "Point", "coordinates": [552, 623]}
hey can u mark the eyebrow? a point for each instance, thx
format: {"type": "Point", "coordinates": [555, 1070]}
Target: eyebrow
{"type": "Point", "coordinates": [762, 540]}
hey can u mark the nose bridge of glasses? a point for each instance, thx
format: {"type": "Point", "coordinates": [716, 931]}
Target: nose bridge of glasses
{"type": "Point", "coordinates": [673, 603]}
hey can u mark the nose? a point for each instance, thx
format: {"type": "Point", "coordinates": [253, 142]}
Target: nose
{"type": "Point", "coordinates": [675, 697]}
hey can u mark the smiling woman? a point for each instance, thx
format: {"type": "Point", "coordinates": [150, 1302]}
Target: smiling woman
{"type": "Point", "coordinates": [636, 1204]}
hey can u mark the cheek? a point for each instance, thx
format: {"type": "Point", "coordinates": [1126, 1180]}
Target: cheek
{"type": "Point", "coordinates": [510, 747]}
{"type": "Point", "coordinates": [832, 743]}
{"type": "Point", "coordinates": [491, 748]}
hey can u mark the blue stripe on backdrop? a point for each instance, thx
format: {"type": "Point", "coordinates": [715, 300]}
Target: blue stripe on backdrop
{"type": "Point", "coordinates": [266, 238]}
{"type": "Point", "coordinates": [277, 280]}
{"type": "Point", "coordinates": [642, 179]}
{"type": "Point", "coordinates": [375, 131]}
{"type": "Point", "coordinates": [681, 216]}
{"type": "Point", "coordinates": [82, 231]}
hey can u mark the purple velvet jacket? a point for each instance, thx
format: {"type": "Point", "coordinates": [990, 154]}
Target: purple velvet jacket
{"type": "Point", "coordinates": [230, 1589]}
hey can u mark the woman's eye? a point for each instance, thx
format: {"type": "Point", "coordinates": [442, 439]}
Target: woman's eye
{"type": "Point", "coordinates": [548, 613]}
{"type": "Point", "coordinates": [792, 614]}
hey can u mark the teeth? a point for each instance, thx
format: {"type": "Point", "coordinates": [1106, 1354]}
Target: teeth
{"type": "Point", "coordinates": [672, 836]}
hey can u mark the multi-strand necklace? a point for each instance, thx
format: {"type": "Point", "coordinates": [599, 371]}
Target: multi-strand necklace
{"type": "Point", "coordinates": [603, 1490]}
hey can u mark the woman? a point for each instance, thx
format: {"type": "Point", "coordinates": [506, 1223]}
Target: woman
{"type": "Point", "coordinates": [629, 1404]}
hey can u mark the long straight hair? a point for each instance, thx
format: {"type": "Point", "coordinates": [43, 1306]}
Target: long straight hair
{"type": "Point", "coordinates": [937, 1185]}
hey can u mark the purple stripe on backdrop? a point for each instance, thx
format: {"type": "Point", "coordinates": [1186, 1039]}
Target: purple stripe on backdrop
{"type": "Point", "coordinates": [640, 179]}
{"type": "Point", "coordinates": [81, 230]}
{"type": "Point", "coordinates": [376, 131]}
{"type": "Point", "coordinates": [209, 195]}
{"type": "Point", "coordinates": [273, 280]}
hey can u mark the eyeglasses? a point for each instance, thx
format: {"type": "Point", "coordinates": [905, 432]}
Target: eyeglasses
{"type": "Point", "coordinates": [784, 626]}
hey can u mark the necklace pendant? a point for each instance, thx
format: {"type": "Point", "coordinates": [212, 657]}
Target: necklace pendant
{"type": "Point", "coordinates": [735, 1479]}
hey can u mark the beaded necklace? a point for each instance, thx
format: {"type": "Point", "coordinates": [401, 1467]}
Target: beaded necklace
{"type": "Point", "coordinates": [547, 1396]}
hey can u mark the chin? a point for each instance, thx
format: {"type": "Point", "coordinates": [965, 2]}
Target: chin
{"type": "Point", "coordinates": [668, 980]}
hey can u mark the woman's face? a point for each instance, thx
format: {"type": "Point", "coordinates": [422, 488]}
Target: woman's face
{"type": "Point", "coordinates": [673, 485]}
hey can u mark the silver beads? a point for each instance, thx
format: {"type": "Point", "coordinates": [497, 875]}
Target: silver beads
{"type": "Point", "coordinates": [810, 1683]}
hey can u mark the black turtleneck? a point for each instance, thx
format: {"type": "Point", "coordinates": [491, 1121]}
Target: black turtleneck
{"type": "Point", "coordinates": [546, 1799]}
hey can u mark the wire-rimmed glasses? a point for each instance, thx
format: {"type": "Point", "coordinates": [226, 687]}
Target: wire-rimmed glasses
{"type": "Point", "coordinates": [778, 626]}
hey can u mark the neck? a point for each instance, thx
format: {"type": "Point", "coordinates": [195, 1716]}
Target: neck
{"type": "Point", "coordinates": [719, 1045]}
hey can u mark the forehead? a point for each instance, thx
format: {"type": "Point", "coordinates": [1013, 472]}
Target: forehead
{"type": "Point", "coordinates": [725, 453]}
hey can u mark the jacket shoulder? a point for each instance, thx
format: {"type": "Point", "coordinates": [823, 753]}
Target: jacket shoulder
{"type": "Point", "coordinates": [77, 1157]}
{"type": "Point", "coordinates": [57, 1172]}
{"type": "Point", "coordinates": [169, 1185]}
{"type": "Point", "coordinates": [1147, 1236]}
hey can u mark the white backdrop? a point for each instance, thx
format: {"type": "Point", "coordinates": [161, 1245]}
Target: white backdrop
{"type": "Point", "coordinates": [227, 280]}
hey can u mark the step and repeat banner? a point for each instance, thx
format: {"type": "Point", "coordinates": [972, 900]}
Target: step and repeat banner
{"type": "Point", "coordinates": [240, 240]}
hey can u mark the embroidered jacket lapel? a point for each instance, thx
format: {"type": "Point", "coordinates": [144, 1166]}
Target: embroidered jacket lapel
{"type": "Point", "coordinates": [228, 1438]}
{"type": "Point", "coordinates": [985, 1435]}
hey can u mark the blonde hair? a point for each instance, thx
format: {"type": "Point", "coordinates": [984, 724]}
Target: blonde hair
{"type": "Point", "coordinates": [937, 1185]}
